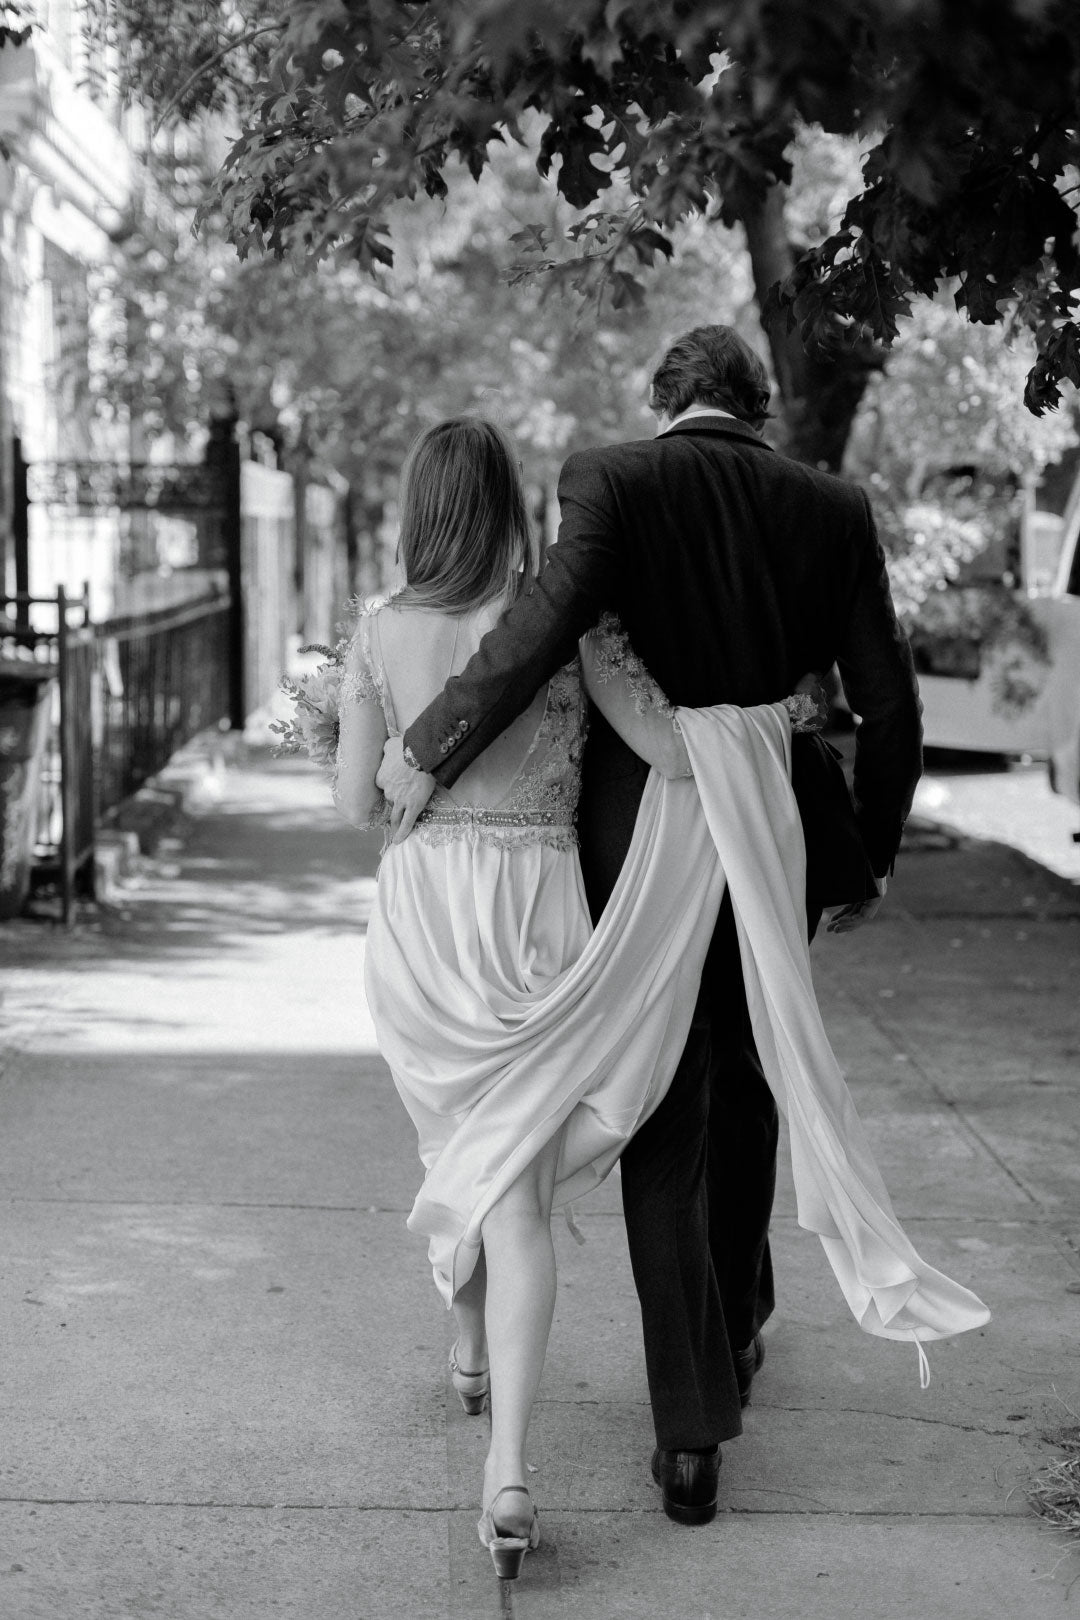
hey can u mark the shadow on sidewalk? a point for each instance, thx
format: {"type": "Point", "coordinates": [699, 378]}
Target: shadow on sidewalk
{"type": "Point", "coordinates": [272, 858]}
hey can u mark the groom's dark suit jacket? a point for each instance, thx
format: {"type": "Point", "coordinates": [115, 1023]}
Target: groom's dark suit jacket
{"type": "Point", "coordinates": [735, 571]}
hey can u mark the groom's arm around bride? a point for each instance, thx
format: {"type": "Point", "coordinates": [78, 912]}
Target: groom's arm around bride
{"type": "Point", "coordinates": [734, 570]}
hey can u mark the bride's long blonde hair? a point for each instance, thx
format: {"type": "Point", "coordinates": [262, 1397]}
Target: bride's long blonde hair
{"type": "Point", "coordinates": [465, 536]}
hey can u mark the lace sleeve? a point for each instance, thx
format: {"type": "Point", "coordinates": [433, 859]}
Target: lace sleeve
{"type": "Point", "coordinates": [361, 735]}
{"type": "Point", "coordinates": [613, 658]}
{"type": "Point", "coordinates": [632, 702]}
{"type": "Point", "coordinates": [628, 697]}
{"type": "Point", "coordinates": [360, 682]}
{"type": "Point", "coordinates": [359, 686]}
{"type": "Point", "coordinates": [803, 712]}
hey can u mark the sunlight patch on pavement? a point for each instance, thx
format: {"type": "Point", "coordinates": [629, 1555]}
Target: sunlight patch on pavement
{"type": "Point", "coordinates": [930, 795]}
{"type": "Point", "coordinates": [305, 995]}
{"type": "Point", "coordinates": [1014, 807]}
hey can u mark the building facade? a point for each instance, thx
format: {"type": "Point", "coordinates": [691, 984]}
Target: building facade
{"type": "Point", "coordinates": [69, 175]}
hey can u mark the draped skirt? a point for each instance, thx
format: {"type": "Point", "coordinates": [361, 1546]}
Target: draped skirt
{"type": "Point", "coordinates": [504, 1017]}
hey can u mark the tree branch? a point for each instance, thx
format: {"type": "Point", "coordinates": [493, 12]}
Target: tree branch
{"type": "Point", "coordinates": [210, 63]}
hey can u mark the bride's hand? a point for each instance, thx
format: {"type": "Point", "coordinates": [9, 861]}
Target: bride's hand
{"type": "Point", "coordinates": [810, 686]}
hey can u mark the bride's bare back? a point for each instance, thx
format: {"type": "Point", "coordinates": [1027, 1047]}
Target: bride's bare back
{"type": "Point", "coordinates": [523, 787]}
{"type": "Point", "coordinates": [420, 649]}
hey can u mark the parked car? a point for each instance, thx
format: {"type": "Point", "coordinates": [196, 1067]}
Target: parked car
{"type": "Point", "coordinates": [1063, 707]}
{"type": "Point", "coordinates": [998, 652]}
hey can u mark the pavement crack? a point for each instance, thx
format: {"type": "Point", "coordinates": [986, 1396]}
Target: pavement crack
{"type": "Point", "coordinates": [591, 1510]}
{"type": "Point", "coordinates": [895, 1417]}
{"type": "Point", "coordinates": [227, 1507]}
{"type": "Point", "coordinates": [587, 1400]}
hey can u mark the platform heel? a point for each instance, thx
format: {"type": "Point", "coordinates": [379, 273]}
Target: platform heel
{"type": "Point", "coordinates": [508, 1548]}
{"type": "Point", "coordinates": [474, 1389]}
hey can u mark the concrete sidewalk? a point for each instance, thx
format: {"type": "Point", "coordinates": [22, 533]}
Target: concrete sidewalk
{"type": "Point", "coordinates": [223, 1361]}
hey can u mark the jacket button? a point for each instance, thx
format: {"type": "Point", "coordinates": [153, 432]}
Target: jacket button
{"type": "Point", "coordinates": [442, 748]}
{"type": "Point", "coordinates": [463, 726]}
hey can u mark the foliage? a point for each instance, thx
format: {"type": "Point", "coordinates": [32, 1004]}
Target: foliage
{"type": "Point", "coordinates": [343, 371]}
{"type": "Point", "coordinates": [551, 372]}
{"type": "Point", "coordinates": [949, 400]}
{"type": "Point", "coordinates": [958, 632]}
{"type": "Point", "coordinates": [646, 113]}
{"type": "Point", "coordinates": [186, 58]}
{"type": "Point", "coordinates": [945, 447]}
{"type": "Point", "coordinates": [928, 546]}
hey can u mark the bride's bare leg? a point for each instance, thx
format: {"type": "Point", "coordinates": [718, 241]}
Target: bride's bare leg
{"type": "Point", "coordinates": [520, 1304]}
{"type": "Point", "coordinates": [472, 1351]}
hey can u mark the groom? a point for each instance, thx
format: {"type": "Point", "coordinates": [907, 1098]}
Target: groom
{"type": "Point", "coordinates": [734, 571]}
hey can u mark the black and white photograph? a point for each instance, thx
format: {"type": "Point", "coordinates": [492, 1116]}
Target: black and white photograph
{"type": "Point", "coordinates": [539, 809]}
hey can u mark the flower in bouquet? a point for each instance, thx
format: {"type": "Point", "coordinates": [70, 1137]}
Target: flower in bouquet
{"type": "Point", "coordinates": [316, 698]}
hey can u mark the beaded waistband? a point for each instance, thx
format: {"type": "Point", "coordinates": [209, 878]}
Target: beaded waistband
{"type": "Point", "coordinates": [500, 829]}
{"type": "Point", "coordinates": [473, 816]}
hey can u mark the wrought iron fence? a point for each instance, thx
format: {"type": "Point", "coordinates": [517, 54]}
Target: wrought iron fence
{"type": "Point", "coordinates": [64, 835]}
{"type": "Point", "coordinates": [129, 693]}
{"type": "Point", "coordinates": [76, 663]}
{"type": "Point", "coordinates": [163, 677]}
{"type": "Point", "coordinates": [132, 690]}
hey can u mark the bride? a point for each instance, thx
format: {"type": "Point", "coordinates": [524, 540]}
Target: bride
{"type": "Point", "coordinates": [528, 1047]}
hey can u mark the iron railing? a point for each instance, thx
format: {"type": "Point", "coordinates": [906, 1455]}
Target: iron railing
{"type": "Point", "coordinates": [129, 693]}
{"type": "Point", "coordinates": [64, 837]}
{"type": "Point", "coordinates": [164, 677]}
{"type": "Point", "coordinates": [76, 662]}
{"type": "Point", "coordinates": [134, 689]}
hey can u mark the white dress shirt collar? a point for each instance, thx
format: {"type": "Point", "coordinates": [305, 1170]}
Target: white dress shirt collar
{"type": "Point", "coordinates": [696, 410]}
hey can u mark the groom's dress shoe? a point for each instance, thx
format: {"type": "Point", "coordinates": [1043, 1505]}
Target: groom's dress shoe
{"type": "Point", "coordinates": [688, 1480]}
{"type": "Point", "coordinates": [747, 1363]}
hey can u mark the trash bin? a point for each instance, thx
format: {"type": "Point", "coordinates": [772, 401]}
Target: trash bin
{"type": "Point", "coordinates": [25, 696]}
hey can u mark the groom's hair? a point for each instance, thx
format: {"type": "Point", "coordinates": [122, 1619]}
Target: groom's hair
{"type": "Point", "coordinates": [712, 365]}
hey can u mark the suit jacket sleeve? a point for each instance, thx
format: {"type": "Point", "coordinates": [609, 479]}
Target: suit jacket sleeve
{"type": "Point", "coordinates": [537, 634]}
{"type": "Point", "coordinates": [879, 680]}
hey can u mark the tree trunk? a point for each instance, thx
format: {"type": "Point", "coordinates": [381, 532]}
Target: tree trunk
{"type": "Point", "coordinates": [367, 512]}
{"type": "Point", "coordinates": [819, 392]}
{"type": "Point", "coordinates": [351, 540]}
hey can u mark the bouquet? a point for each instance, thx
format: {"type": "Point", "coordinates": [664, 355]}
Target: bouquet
{"type": "Point", "coordinates": [316, 698]}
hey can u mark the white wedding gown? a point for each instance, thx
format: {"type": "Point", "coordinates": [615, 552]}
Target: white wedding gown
{"type": "Point", "coordinates": [504, 1017]}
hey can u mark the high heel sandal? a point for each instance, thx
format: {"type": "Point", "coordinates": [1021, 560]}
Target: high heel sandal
{"type": "Point", "coordinates": [508, 1547]}
{"type": "Point", "coordinates": [474, 1389]}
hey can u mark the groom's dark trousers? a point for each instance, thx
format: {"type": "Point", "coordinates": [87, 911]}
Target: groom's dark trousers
{"type": "Point", "coordinates": [734, 571]}
{"type": "Point", "coordinates": [698, 1178]}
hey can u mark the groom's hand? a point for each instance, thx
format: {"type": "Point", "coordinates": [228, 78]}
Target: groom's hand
{"type": "Point", "coordinates": [847, 918]}
{"type": "Point", "coordinates": [407, 789]}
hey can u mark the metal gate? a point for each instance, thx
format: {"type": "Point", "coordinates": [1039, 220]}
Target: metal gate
{"type": "Point", "coordinates": [134, 686]}
{"type": "Point", "coordinates": [55, 632]}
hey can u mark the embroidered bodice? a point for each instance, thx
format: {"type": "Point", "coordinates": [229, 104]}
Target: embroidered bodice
{"type": "Point", "coordinates": [539, 804]}
{"type": "Point", "coordinates": [524, 787]}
